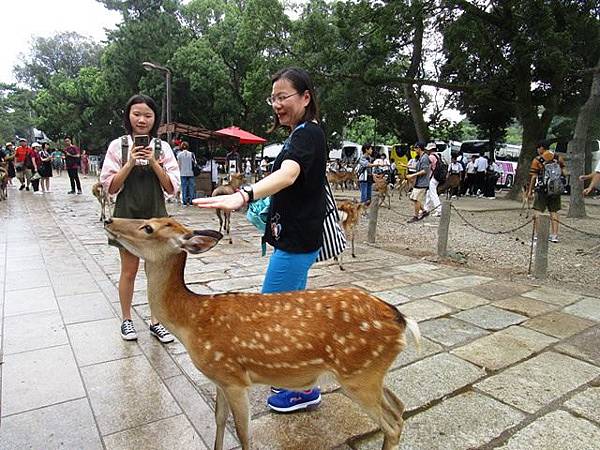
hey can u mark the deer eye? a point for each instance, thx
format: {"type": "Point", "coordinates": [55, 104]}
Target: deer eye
{"type": "Point", "coordinates": [148, 229]}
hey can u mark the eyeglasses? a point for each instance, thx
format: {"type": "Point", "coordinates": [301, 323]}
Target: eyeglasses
{"type": "Point", "coordinates": [279, 98]}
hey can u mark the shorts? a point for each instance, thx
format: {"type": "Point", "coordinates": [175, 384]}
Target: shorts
{"type": "Point", "coordinates": [418, 195]}
{"type": "Point", "coordinates": [543, 201]}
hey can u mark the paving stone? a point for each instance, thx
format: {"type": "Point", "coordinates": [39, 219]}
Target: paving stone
{"type": "Point", "coordinates": [463, 281]}
{"type": "Point", "coordinates": [380, 284]}
{"type": "Point", "coordinates": [533, 384]}
{"type": "Point", "coordinates": [198, 411]}
{"type": "Point", "coordinates": [424, 309]}
{"type": "Point", "coordinates": [498, 290]}
{"type": "Point", "coordinates": [85, 307]}
{"type": "Point", "coordinates": [418, 267]}
{"type": "Point", "coordinates": [525, 306]}
{"type": "Point", "coordinates": [235, 284]}
{"type": "Point", "coordinates": [586, 404]}
{"type": "Point", "coordinates": [89, 349]}
{"type": "Point", "coordinates": [558, 324]}
{"type": "Point", "coordinates": [583, 346]}
{"type": "Point", "coordinates": [416, 277]}
{"type": "Point", "coordinates": [557, 430]}
{"type": "Point", "coordinates": [336, 421]}
{"type": "Point", "coordinates": [75, 284]}
{"type": "Point", "coordinates": [461, 300]}
{"type": "Point", "coordinates": [490, 317]}
{"type": "Point", "coordinates": [127, 393]}
{"type": "Point", "coordinates": [33, 331]}
{"type": "Point", "coordinates": [466, 421]}
{"type": "Point", "coordinates": [392, 297]}
{"type": "Point", "coordinates": [26, 280]}
{"type": "Point", "coordinates": [555, 296]}
{"type": "Point", "coordinates": [504, 347]}
{"type": "Point", "coordinates": [39, 378]}
{"type": "Point", "coordinates": [431, 378]}
{"type": "Point", "coordinates": [174, 432]}
{"type": "Point", "coordinates": [451, 332]}
{"type": "Point", "coordinates": [423, 290]}
{"type": "Point", "coordinates": [588, 308]}
{"type": "Point", "coordinates": [411, 354]}
{"type": "Point", "coordinates": [157, 354]}
{"type": "Point", "coordinates": [29, 301]}
{"type": "Point", "coordinates": [344, 279]}
{"type": "Point", "coordinates": [65, 425]}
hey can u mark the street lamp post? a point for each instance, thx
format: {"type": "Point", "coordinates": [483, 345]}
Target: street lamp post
{"type": "Point", "coordinates": [167, 72]}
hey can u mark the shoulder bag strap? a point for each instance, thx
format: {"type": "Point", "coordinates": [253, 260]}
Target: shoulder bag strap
{"type": "Point", "coordinates": [157, 148]}
{"type": "Point", "coordinates": [124, 149]}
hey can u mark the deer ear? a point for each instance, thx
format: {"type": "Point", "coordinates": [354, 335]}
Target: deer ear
{"type": "Point", "coordinates": [200, 241]}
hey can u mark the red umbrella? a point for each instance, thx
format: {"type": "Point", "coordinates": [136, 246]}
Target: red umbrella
{"type": "Point", "coordinates": [245, 137]}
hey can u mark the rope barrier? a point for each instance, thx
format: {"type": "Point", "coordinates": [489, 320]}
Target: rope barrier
{"type": "Point", "coordinates": [512, 230]}
{"type": "Point", "coordinates": [578, 230]}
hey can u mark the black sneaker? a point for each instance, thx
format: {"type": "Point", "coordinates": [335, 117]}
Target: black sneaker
{"type": "Point", "coordinates": [22, 187]}
{"type": "Point", "coordinates": [128, 332]}
{"type": "Point", "coordinates": [78, 192]}
{"type": "Point", "coordinates": [27, 188]}
{"type": "Point", "coordinates": [413, 219]}
{"type": "Point", "coordinates": [161, 333]}
{"type": "Point", "coordinates": [71, 192]}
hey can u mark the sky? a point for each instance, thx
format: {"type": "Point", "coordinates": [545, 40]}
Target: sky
{"type": "Point", "coordinates": [24, 19]}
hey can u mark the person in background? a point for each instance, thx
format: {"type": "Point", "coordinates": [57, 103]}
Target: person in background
{"type": "Point", "coordinates": [45, 169]}
{"type": "Point", "coordinates": [186, 160]}
{"type": "Point", "coordinates": [139, 183]}
{"type": "Point", "coordinates": [419, 191]}
{"type": "Point", "coordinates": [23, 164]}
{"type": "Point", "coordinates": [365, 174]}
{"type": "Point", "coordinates": [73, 162]}
{"type": "Point", "coordinates": [481, 165]}
{"type": "Point", "coordinates": [595, 177]}
{"type": "Point", "coordinates": [58, 161]}
{"type": "Point", "coordinates": [432, 199]}
{"type": "Point", "coordinates": [85, 163]}
{"type": "Point", "coordinates": [469, 182]}
{"type": "Point", "coordinates": [297, 210]}
{"type": "Point", "coordinates": [36, 162]}
{"type": "Point", "coordinates": [9, 158]}
{"type": "Point", "coordinates": [454, 176]}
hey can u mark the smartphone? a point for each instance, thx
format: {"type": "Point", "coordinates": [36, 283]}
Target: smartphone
{"type": "Point", "coordinates": [142, 140]}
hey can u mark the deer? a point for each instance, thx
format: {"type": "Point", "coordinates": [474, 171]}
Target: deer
{"type": "Point", "coordinates": [232, 338]}
{"type": "Point", "coordinates": [349, 212]}
{"type": "Point", "coordinates": [236, 180]}
{"type": "Point", "coordinates": [104, 200]}
{"type": "Point", "coordinates": [3, 181]}
{"type": "Point", "coordinates": [380, 185]}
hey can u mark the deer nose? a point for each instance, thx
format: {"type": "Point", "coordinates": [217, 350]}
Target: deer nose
{"type": "Point", "coordinates": [108, 221]}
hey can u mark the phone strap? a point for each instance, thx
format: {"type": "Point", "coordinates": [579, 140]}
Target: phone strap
{"type": "Point", "coordinates": [157, 148]}
{"type": "Point", "coordinates": [124, 149]}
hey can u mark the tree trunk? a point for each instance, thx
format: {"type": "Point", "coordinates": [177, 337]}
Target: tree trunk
{"type": "Point", "coordinates": [577, 147]}
{"type": "Point", "coordinates": [532, 133]}
{"type": "Point", "coordinates": [416, 110]}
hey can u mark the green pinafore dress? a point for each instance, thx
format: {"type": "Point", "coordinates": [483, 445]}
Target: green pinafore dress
{"type": "Point", "coordinates": [142, 196]}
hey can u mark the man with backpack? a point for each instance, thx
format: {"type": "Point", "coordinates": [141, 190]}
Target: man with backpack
{"type": "Point", "coordinates": [439, 172]}
{"type": "Point", "coordinates": [545, 177]}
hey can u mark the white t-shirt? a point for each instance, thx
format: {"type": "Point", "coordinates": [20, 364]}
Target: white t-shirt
{"type": "Point", "coordinates": [455, 168]}
{"type": "Point", "coordinates": [598, 166]}
{"type": "Point", "coordinates": [481, 164]}
{"type": "Point", "coordinates": [471, 167]}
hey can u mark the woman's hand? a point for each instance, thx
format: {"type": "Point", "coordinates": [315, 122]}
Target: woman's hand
{"type": "Point", "coordinates": [229, 202]}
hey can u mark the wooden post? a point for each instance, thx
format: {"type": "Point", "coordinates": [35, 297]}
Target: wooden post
{"type": "Point", "coordinates": [443, 230]}
{"type": "Point", "coordinates": [373, 213]}
{"type": "Point", "coordinates": [542, 229]}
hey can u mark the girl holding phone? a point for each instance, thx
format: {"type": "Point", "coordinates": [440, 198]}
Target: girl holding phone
{"type": "Point", "coordinates": [139, 183]}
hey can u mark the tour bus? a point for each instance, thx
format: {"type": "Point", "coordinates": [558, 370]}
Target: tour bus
{"type": "Point", "coordinates": [507, 157]}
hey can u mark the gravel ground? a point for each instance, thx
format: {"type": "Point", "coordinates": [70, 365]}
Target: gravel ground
{"type": "Point", "coordinates": [573, 263]}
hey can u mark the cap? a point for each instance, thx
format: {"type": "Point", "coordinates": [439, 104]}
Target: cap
{"type": "Point", "coordinates": [420, 145]}
{"type": "Point", "coordinates": [36, 144]}
{"type": "Point", "coordinates": [431, 146]}
{"type": "Point", "coordinates": [8, 143]}
{"type": "Point", "coordinates": [22, 140]}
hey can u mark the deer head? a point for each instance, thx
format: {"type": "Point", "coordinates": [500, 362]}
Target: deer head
{"type": "Point", "coordinates": [154, 240]}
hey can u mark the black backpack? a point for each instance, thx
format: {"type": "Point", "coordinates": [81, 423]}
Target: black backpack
{"type": "Point", "coordinates": [441, 169]}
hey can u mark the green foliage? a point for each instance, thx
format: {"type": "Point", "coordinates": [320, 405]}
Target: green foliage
{"type": "Point", "coordinates": [15, 112]}
{"type": "Point", "coordinates": [364, 129]}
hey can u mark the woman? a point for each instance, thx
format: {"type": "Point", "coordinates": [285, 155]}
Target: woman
{"type": "Point", "coordinates": [85, 163]}
{"type": "Point", "coordinates": [45, 169]}
{"type": "Point", "coordinates": [57, 161]}
{"type": "Point", "coordinates": [297, 189]}
{"type": "Point", "coordinates": [36, 163]}
{"type": "Point", "coordinates": [139, 184]}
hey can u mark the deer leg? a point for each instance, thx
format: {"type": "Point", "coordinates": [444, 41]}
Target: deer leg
{"type": "Point", "coordinates": [237, 397]}
{"type": "Point", "coordinates": [353, 233]}
{"type": "Point", "coordinates": [221, 413]}
{"type": "Point", "coordinates": [220, 220]}
{"type": "Point", "coordinates": [340, 262]}
{"type": "Point", "coordinates": [227, 217]}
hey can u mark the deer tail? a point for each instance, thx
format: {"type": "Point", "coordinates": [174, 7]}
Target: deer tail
{"type": "Point", "coordinates": [413, 327]}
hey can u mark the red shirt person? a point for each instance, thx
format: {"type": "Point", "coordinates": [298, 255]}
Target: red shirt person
{"type": "Point", "coordinates": [73, 160]}
{"type": "Point", "coordinates": [23, 173]}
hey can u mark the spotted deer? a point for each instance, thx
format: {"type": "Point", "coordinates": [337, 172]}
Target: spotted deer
{"type": "Point", "coordinates": [104, 200]}
{"type": "Point", "coordinates": [237, 179]}
{"type": "Point", "coordinates": [349, 211]}
{"type": "Point", "coordinates": [286, 339]}
{"type": "Point", "coordinates": [380, 185]}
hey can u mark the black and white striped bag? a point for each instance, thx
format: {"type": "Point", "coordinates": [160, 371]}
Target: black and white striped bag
{"type": "Point", "coordinates": [334, 241]}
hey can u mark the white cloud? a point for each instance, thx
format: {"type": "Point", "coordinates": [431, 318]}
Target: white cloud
{"type": "Point", "coordinates": [24, 19]}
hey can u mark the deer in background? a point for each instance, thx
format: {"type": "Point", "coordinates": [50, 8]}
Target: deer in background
{"type": "Point", "coordinates": [234, 339]}
{"type": "Point", "coordinates": [349, 211]}
{"type": "Point", "coordinates": [104, 200]}
{"type": "Point", "coordinates": [236, 180]}
{"type": "Point", "coordinates": [380, 185]}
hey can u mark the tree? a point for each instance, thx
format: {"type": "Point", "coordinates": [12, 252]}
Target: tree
{"type": "Point", "coordinates": [577, 146]}
{"type": "Point", "coordinates": [534, 51]}
{"type": "Point", "coordinates": [16, 118]}
{"type": "Point", "coordinates": [64, 53]}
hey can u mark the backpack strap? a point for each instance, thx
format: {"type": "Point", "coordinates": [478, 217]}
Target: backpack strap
{"type": "Point", "coordinates": [157, 148]}
{"type": "Point", "coordinates": [124, 149]}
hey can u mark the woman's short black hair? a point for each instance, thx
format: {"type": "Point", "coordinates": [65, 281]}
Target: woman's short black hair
{"type": "Point", "coordinates": [301, 81]}
{"type": "Point", "coordinates": [134, 100]}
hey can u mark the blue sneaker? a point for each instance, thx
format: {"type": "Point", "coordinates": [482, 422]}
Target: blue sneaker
{"type": "Point", "coordinates": [289, 401]}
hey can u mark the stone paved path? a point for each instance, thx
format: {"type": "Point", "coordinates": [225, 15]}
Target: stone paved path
{"type": "Point", "coordinates": [503, 365]}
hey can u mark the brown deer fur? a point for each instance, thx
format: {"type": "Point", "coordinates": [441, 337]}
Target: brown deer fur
{"type": "Point", "coordinates": [283, 339]}
{"type": "Point", "coordinates": [342, 179]}
{"type": "Point", "coordinates": [380, 185]}
{"type": "Point", "coordinates": [350, 211]}
{"type": "Point", "coordinates": [104, 200]}
{"type": "Point", "coordinates": [237, 179]}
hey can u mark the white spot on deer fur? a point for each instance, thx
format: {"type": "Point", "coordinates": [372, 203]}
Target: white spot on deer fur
{"type": "Point", "coordinates": [318, 307]}
{"type": "Point", "coordinates": [193, 316]}
{"type": "Point", "coordinates": [207, 345]}
{"type": "Point", "coordinates": [299, 312]}
{"type": "Point", "coordinates": [364, 326]}
{"type": "Point", "coordinates": [343, 304]}
{"type": "Point", "coordinates": [235, 340]}
{"type": "Point", "coordinates": [301, 300]}
{"type": "Point", "coordinates": [355, 297]}
{"type": "Point", "coordinates": [218, 356]}
{"type": "Point", "coordinates": [346, 316]}
{"type": "Point", "coordinates": [377, 325]}
{"type": "Point", "coordinates": [330, 313]}
{"type": "Point", "coordinates": [287, 307]}
{"type": "Point", "coordinates": [266, 337]}
{"type": "Point", "coordinates": [341, 340]}
{"type": "Point", "coordinates": [328, 349]}
{"type": "Point", "coordinates": [363, 341]}
{"type": "Point", "coordinates": [316, 361]}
